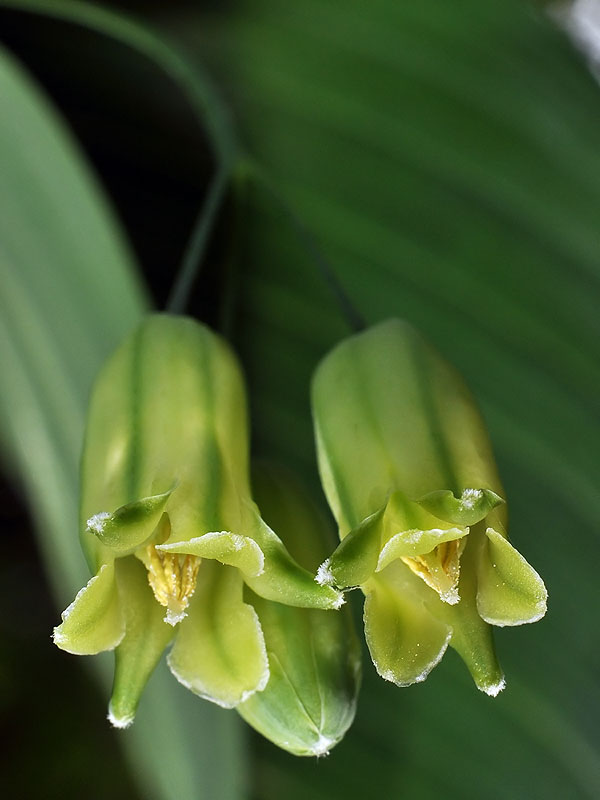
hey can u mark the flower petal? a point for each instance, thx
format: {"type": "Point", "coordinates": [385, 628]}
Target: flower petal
{"type": "Point", "coordinates": [310, 699]}
{"type": "Point", "coordinates": [283, 579]}
{"type": "Point", "coordinates": [219, 652]}
{"type": "Point", "coordinates": [224, 546]}
{"type": "Point", "coordinates": [510, 591]}
{"type": "Point", "coordinates": [470, 507]}
{"type": "Point", "coordinates": [473, 641]}
{"type": "Point", "coordinates": [355, 559]}
{"type": "Point", "coordinates": [415, 543]}
{"type": "Point", "coordinates": [314, 656]}
{"type": "Point", "coordinates": [405, 640]}
{"type": "Point", "coordinates": [130, 526]}
{"type": "Point", "coordinates": [146, 636]}
{"type": "Point", "coordinates": [93, 622]}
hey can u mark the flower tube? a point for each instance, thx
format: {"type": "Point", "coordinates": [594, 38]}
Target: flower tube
{"type": "Point", "coordinates": [309, 701]}
{"type": "Point", "coordinates": [407, 468]}
{"type": "Point", "coordinates": [169, 526]}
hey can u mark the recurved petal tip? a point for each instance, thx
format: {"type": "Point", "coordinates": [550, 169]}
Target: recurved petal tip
{"type": "Point", "coordinates": [324, 576]}
{"type": "Point", "coordinates": [494, 689]}
{"type": "Point", "coordinates": [470, 507]}
{"type": "Point", "coordinates": [117, 721]}
{"type": "Point", "coordinates": [131, 525]}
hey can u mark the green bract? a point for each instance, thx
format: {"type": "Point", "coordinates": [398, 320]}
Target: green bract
{"type": "Point", "coordinates": [314, 657]}
{"type": "Point", "coordinates": [169, 526]}
{"type": "Point", "coordinates": [409, 474]}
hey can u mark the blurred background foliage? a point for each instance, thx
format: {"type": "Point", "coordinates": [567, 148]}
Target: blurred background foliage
{"type": "Point", "coordinates": [443, 157]}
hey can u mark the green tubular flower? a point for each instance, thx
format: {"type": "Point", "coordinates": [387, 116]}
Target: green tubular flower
{"type": "Point", "coordinates": [168, 524]}
{"type": "Point", "coordinates": [409, 474]}
{"type": "Point", "coordinates": [314, 656]}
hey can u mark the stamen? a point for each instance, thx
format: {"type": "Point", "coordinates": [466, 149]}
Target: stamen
{"type": "Point", "coordinates": [173, 580]}
{"type": "Point", "coordinates": [440, 569]}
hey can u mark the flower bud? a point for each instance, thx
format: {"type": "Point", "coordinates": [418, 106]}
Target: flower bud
{"type": "Point", "coordinates": [169, 526]}
{"type": "Point", "coordinates": [408, 471]}
{"type": "Point", "coordinates": [309, 701]}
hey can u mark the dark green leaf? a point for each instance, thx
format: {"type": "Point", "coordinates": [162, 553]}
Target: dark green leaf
{"type": "Point", "coordinates": [69, 294]}
{"type": "Point", "coordinates": [445, 156]}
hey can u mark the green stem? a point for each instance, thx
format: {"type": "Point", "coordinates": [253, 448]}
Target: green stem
{"type": "Point", "coordinates": [213, 116]}
{"type": "Point", "coordinates": [204, 99]}
{"type": "Point", "coordinates": [194, 252]}
{"type": "Point", "coordinates": [352, 316]}
{"type": "Point", "coordinates": [231, 283]}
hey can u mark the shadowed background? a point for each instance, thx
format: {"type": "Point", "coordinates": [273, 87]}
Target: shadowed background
{"type": "Point", "coordinates": [444, 156]}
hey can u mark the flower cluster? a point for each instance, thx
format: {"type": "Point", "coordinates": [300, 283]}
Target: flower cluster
{"type": "Point", "coordinates": [182, 558]}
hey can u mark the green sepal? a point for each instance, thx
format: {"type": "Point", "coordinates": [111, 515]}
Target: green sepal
{"type": "Point", "coordinates": [93, 622]}
{"type": "Point", "coordinates": [130, 526]}
{"type": "Point", "coordinates": [224, 546]}
{"type": "Point", "coordinates": [309, 701]}
{"type": "Point", "coordinates": [283, 579]}
{"type": "Point", "coordinates": [146, 637]}
{"type": "Point", "coordinates": [473, 640]}
{"type": "Point", "coordinates": [219, 652]}
{"type": "Point", "coordinates": [314, 659]}
{"type": "Point", "coordinates": [405, 640]}
{"type": "Point", "coordinates": [471, 507]}
{"type": "Point", "coordinates": [509, 590]}
{"type": "Point", "coordinates": [355, 559]}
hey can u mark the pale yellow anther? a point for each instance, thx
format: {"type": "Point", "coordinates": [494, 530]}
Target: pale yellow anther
{"type": "Point", "coordinates": [173, 579]}
{"type": "Point", "coordinates": [440, 569]}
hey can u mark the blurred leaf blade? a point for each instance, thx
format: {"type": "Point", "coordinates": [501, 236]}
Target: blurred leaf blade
{"type": "Point", "coordinates": [187, 75]}
{"type": "Point", "coordinates": [69, 294]}
{"type": "Point", "coordinates": [444, 156]}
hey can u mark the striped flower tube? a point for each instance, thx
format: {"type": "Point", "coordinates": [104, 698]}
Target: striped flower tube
{"type": "Point", "coordinates": [408, 471]}
{"type": "Point", "coordinates": [168, 524]}
{"type": "Point", "coordinates": [309, 701]}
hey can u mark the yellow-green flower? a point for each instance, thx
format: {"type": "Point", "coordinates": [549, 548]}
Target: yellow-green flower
{"type": "Point", "coordinates": [169, 526]}
{"type": "Point", "coordinates": [409, 474]}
